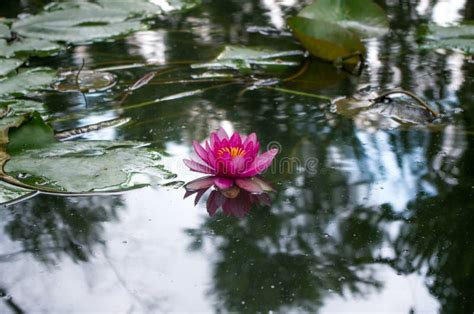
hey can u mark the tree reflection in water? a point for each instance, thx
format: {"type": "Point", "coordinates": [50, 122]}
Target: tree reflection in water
{"type": "Point", "coordinates": [52, 227]}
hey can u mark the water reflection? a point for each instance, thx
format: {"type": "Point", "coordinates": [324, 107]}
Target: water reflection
{"type": "Point", "coordinates": [234, 201]}
{"type": "Point", "coordinates": [50, 228]}
{"type": "Point", "coordinates": [386, 200]}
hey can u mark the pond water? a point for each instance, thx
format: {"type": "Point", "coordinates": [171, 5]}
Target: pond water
{"type": "Point", "coordinates": [379, 221]}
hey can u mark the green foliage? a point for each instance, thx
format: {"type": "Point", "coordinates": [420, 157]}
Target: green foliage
{"type": "Point", "coordinates": [27, 81]}
{"type": "Point", "coordinates": [331, 30]}
{"type": "Point", "coordinates": [460, 37]}
{"type": "Point", "coordinates": [244, 59]}
{"type": "Point", "coordinates": [42, 163]}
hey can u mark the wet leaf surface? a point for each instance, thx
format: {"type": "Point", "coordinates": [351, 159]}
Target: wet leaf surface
{"type": "Point", "coordinates": [460, 37]}
{"type": "Point", "coordinates": [325, 40]}
{"type": "Point", "coordinates": [244, 59]}
{"type": "Point", "coordinates": [363, 17]}
{"type": "Point", "coordinates": [78, 166]}
{"type": "Point", "coordinates": [8, 65]}
{"type": "Point", "coordinates": [28, 81]}
{"type": "Point", "coordinates": [331, 30]}
{"type": "Point", "coordinates": [390, 113]}
{"type": "Point", "coordinates": [28, 47]}
{"type": "Point", "coordinates": [10, 193]}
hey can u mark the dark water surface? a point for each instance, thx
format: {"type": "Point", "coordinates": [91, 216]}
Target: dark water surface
{"type": "Point", "coordinates": [382, 223]}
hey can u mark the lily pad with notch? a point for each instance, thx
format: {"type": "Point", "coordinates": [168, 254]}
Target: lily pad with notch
{"type": "Point", "coordinates": [42, 163]}
{"type": "Point", "coordinates": [246, 59]}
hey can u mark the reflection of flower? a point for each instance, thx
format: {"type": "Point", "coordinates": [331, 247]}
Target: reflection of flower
{"type": "Point", "coordinates": [232, 162]}
{"type": "Point", "coordinates": [237, 206]}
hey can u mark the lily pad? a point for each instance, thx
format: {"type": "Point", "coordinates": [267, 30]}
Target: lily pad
{"type": "Point", "coordinates": [330, 29]}
{"type": "Point", "coordinates": [42, 163]}
{"type": "Point", "coordinates": [86, 81]}
{"type": "Point", "coordinates": [10, 193]}
{"type": "Point", "coordinates": [460, 37]}
{"type": "Point", "coordinates": [326, 40]}
{"type": "Point", "coordinates": [76, 25]}
{"type": "Point", "coordinates": [19, 107]}
{"type": "Point", "coordinates": [27, 81]}
{"type": "Point", "coordinates": [364, 17]}
{"type": "Point", "coordinates": [8, 65]}
{"type": "Point", "coordinates": [245, 58]}
{"type": "Point", "coordinates": [86, 21]}
{"type": "Point", "coordinates": [28, 47]}
{"type": "Point", "coordinates": [390, 113]}
{"type": "Point", "coordinates": [4, 31]}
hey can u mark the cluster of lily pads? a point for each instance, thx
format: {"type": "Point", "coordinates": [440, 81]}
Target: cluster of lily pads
{"type": "Point", "coordinates": [32, 158]}
{"type": "Point", "coordinates": [329, 30]}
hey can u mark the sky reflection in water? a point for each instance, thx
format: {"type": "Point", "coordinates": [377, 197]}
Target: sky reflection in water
{"type": "Point", "coordinates": [383, 223]}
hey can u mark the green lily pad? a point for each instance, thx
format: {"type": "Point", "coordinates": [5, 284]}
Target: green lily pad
{"type": "Point", "coordinates": [364, 17]}
{"type": "Point", "coordinates": [27, 81]}
{"type": "Point", "coordinates": [392, 113]}
{"type": "Point", "coordinates": [4, 31]}
{"type": "Point", "coordinates": [10, 193]}
{"type": "Point", "coordinates": [86, 81]}
{"type": "Point", "coordinates": [460, 37]}
{"type": "Point", "coordinates": [39, 161]}
{"type": "Point", "coordinates": [8, 65]}
{"type": "Point", "coordinates": [326, 40]}
{"type": "Point", "coordinates": [87, 21]}
{"type": "Point", "coordinates": [245, 58]}
{"type": "Point", "coordinates": [18, 107]}
{"type": "Point", "coordinates": [28, 47]}
{"type": "Point", "coordinates": [76, 25]}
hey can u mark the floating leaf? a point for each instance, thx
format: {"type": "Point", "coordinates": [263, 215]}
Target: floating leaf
{"type": "Point", "coordinates": [459, 37]}
{"type": "Point", "coordinates": [4, 31]}
{"type": "Point", "coordinates": [86, 21]}
{"type": "Point", "coordinates": [76, 25]}
{"type": "Point", "coordinates": [391, 113]}
{"type": "Point", "coordinates": [244, 58]}
{"type": "Point", "coordinates": [8, 65]}
{"type": "Point", "coordinates": [86, 81]}
{"type": "Point", "coordinates": [10, 193]}
{"type": "Point", "coordinates": [18, 107]}
{"type": "Point", "coordinates": [27, 81]}
{"type": "Point", "coordinates": [326, 40]}
{"type": "Point", "coordinates": [28, 47]}
{"type": "Point", "coordinates": [39, 161]}
{"type": "Point", "coordinates": [364, 17]}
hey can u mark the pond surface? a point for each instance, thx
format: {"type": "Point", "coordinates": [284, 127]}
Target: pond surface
{"type": "Point", "coordinates": [381, 222]}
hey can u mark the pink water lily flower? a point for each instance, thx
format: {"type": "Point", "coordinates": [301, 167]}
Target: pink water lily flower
{"type": "Point", "coordinates": [231, 161]}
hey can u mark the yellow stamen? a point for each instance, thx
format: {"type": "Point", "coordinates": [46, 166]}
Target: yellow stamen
{"type": "Point", "coordinates": [233, 151]}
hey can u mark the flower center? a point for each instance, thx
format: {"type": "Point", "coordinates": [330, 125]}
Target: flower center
{"type": "Point", "coordinates": [233, 151]}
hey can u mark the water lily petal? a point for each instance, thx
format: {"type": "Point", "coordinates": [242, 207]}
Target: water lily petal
{"type": "Point", "coordinates": [201, 183]}
{"type": "Point", "coordinates": [249, 184]}
{"type": "Point", "coordinates": [222, 134]}
{"type": "Point", "coordinates": [251, 138]}
{"type": "Point", "coordinates": [223, 183]}
{"type": "Point", "coordinates": [235, 140]}
{"type": "Point", "coordinates": [201, 152]}
{"type": "Point", "coordinates": [260, 163]}
{"type": "Point", "coordinates": [197, 167]}
{"type": "Point", "coordinates": [238, 164]}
